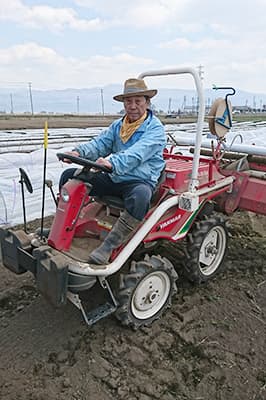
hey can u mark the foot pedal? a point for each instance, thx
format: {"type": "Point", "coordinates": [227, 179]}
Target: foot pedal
{"type": "Point", "coordinates": [100, 312]}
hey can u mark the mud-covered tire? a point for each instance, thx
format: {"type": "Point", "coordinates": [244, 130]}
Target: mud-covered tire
{"type": "Point", "coordinates": [206, 248]}
{"type": "Point", "coordinates": [145, 291]}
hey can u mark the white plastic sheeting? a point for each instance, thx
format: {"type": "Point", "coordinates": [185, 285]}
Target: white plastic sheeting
{"type": "Point", "coordinates": [32, 139]}
{"type": "Point", "coordinates": [11, 212]}
{"type": "Point", "coordinates": [24, 149]}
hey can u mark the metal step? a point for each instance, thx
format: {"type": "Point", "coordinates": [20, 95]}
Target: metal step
{"type": "Point", "coordinates": [99, 313]}
{"type": "Point", "coordinates": [94, 315]}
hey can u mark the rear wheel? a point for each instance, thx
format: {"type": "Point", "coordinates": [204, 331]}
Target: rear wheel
{"type": "Point", "coordinates": [145, 291]}
{"type": "Point", "coordinates": [206, 249]}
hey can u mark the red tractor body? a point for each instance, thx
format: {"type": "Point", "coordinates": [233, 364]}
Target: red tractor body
{"type": "Point", "coordinates": [189, 206]}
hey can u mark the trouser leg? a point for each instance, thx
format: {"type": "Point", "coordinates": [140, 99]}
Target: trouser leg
{"type": "Point", "coordinates": [136, 195]}
{"type": "Point", "coordinates": [66, 175]}
{"type": "Point", "coordinates": [137, 198]}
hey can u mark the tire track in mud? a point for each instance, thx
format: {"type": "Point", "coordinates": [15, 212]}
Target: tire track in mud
{"type": "Point", "coordinates": [210, 344]}
{"type": "Point", "coordinates": [37, 330]}
{"type": "Point", "coordinates": [40, 356]}
{"type": "Point", "coordinates": [43, 344]}
{"type": "Point", "coordinates": [49, 350]}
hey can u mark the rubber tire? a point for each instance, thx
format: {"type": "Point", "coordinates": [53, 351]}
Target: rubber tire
{"type": "Point", "coordinates": [131, 281]}
{"type": "Point", "coordinates": [195, 239]}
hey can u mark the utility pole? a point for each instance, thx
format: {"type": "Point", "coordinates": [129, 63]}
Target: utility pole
{"type": "Point", "coordinates": [31, 102]}
{"type": "Point", "coordinates": [193, 105]}
{"type": "Point", "coordinates": [77, 104]}
{"type": "Point", "coordinates": [102, 101]}
{"type": "Point", "coordinates": [169, 105]}
{"type": "Point", "coordinates": [11, 104]}
{"type": "Point", "coordinates": [184, 104]}
{"type": "Point", "coordinates": [254, 103]}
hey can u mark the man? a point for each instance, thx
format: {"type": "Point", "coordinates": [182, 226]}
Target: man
{"type": "Point", "coordinates": [132, 147]}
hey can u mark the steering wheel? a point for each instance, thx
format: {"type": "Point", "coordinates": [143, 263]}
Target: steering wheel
{"type": "Point", "coordinates": [83, 161]}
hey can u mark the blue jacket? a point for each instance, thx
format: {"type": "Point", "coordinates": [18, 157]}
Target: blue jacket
{"type": "Point", "coordinates": [139, 159]}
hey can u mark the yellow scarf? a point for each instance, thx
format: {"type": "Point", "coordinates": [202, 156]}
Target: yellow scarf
{"type": "Point", "coordinates": [128, 128]}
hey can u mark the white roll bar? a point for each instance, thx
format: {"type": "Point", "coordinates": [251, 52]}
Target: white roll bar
{"type": "Point", "coordinates": [201, 112]}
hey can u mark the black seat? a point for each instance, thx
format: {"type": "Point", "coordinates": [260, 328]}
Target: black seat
{"type": "Point", "coordinates": [117, 202]}
{"type": "Point", "coordinates": [111, 201]}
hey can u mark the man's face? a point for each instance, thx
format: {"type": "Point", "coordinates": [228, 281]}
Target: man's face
{"type": "Point", "coordinates": [135, 107]}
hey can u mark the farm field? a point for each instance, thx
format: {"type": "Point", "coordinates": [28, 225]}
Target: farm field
{"type": "Point", "coordinates": [209, 345]}
{"type": "Point", "coordinates": [21, 121]}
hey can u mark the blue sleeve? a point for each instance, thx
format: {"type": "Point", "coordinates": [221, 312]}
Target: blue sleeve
{"type": "Point", "coordinates": [101, 146]}
{"type": "Point", "coordinates": [151, 142]}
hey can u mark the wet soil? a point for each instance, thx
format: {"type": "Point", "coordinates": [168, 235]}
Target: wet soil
{"type": "Point", "coordinates": [209, 345]}
{"type": "Point", "coordinates": [37, 121]}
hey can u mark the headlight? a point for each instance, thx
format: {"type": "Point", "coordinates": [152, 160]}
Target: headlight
{"type": "Point", "coordinates": [65, 195]}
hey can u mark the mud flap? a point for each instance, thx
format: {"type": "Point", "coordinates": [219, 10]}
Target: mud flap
{"type": "Point", "coordinates": [51, 275]}
{"type": "Point", "coordinates": [16, 251]}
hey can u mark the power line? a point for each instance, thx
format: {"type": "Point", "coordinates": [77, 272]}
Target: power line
{"type": "Point", "coordinates": [13, 83]}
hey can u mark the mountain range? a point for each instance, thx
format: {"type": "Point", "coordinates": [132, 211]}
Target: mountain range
{"type": "Point", "coordinates": [100, 100]}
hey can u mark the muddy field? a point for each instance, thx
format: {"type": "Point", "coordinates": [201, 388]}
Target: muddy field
{"type": "Point", "coordinates": [18, 122]}
{"type": "Point", "coordinates": [210, 345]}
{"type": "Point", "coordinates": [21, 122]}
{"type": "Point", "coordinates": [37, 121]}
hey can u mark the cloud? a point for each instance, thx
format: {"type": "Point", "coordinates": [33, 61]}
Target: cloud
{"type": "Point", "coordinates": [114, 38]}
{"type": "Point", "coordinates": [115, 13]}
{"type": "Point", "coordinates": [186, 15]}
{"type": "Point", "coordinates": [45, 68]}
{"type": "Point", "coordinates": [138, 14]}
{"type": "Point", "coordinates": [206, 44]}
{"type": "Point", "coordinates": [29, 52]}
{"type": "Point", "coordinates": [51, 18]}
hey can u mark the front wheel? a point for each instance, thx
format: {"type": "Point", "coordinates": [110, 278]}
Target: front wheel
{"type": "Point", "coordinates": [145, 291]}
{"type": "Point", "coordinates": [206, 249]}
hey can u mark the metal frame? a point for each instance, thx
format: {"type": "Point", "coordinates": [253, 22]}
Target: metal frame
{"type": "Point", "coordinates": [201, 112]}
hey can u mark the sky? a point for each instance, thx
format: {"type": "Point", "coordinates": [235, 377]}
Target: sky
{"type": "Point", "coordinates": [57, 44]}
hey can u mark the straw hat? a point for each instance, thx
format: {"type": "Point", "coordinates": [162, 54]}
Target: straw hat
{"type": "Point", "coordinates": [135, 87]}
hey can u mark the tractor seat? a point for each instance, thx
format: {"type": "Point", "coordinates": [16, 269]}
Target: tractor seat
{"type": "Point", "coordinates": [111, 201]}
{"type": "Point", "coordinates": [118, 202]}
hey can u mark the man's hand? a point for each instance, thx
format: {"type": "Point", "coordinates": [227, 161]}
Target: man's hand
{"type": "Point", "coordinates": [104, 162]}
{"type": "Point", "coordinates": [71, 153]}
